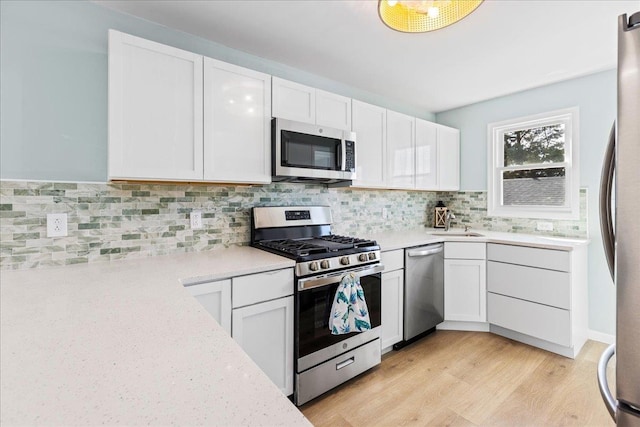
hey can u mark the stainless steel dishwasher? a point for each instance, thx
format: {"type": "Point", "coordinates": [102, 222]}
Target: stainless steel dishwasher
{"type": "Point", "coordinates": [423, 290]}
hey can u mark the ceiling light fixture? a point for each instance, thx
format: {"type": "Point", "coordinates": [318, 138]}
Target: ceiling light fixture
{"type": "Point", "coordinates": [421, 16]}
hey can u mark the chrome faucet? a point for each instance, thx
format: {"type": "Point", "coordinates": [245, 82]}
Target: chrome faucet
{"type": "Point", "coordinates": [447, 220]}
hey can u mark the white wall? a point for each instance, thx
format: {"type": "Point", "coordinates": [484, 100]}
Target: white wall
{"type": "Point", "coordinates": [595, 96]}
{"type": "Point", "coordinates": [53, 74]}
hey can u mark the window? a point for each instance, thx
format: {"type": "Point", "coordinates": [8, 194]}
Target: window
{"type": "Point", "coordinates": [533, 166]}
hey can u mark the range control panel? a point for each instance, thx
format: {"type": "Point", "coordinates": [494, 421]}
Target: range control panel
{"type": "Point", "coordinates": [322, 266]}
{"type": "Point", "coordinates": [297, 215]}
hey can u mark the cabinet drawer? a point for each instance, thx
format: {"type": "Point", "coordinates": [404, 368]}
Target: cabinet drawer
{"type": "Point", "coordinates": [534, 257]}
{"type": "Point", "coordinates": [532, 284]}
{"type": "Point", "coordinates": [537, 320]}
{"type": "Point", "coordinates": [464, 250]}
{"type": "Point", "coordinates": [392, 260]}
{"type": "Point", "coordinates": [260, 287]}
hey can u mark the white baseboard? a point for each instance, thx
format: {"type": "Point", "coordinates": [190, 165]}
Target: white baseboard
{"type": "Point", "coordinates": [601, 337]}
{"type": "Point", "coordinates": [448, 325]}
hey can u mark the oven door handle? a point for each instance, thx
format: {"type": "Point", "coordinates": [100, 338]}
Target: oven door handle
{"type": "Point", "coordinates": [314, 282]}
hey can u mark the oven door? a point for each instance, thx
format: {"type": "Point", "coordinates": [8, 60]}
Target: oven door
{"type": "Point", "coordinates": [314, 299]}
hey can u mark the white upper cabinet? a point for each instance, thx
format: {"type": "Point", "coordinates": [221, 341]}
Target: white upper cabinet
{"type": "Point", "coordinates": [177, 116]}
{"type": "Point", "coordinates": [333, 110]}
{"type": "Point", "coordinates": [155, 110]}
{"type": "Point", "coordinates": [448, 158]}
{"type": "Point", "coordinates": [369, 122]}
{"type": "Point", "coordinates": [295, 101]}
{"type": "Point", "coordinates": [237, 123]}
{"type": "Point", "coordinates": [426, 155]}
{"type": "Point", "coordinates": [400, 150]}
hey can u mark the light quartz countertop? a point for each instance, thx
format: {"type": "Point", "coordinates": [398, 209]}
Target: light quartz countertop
{"type": "Point", "coordinates": [123, 343]}
{"type": "Point", "coordinates": [392, 240]}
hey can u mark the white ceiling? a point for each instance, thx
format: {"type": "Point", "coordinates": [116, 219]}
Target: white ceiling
{"type": "Point", "coordinates": [505, 46]}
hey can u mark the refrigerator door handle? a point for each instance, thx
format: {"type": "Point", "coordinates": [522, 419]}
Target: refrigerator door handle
{"type": "Point", "coordinates": [606, 187]}
{"type": "Point", "coordinates": [603, 384]}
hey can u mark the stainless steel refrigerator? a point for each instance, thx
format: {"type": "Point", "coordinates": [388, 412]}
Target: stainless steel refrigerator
{"type": "Point", "coordinates": [622, 246]}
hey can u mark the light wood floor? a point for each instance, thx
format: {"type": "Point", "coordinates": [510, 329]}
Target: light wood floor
{"type": "Point", "coordinates": [469, 379]}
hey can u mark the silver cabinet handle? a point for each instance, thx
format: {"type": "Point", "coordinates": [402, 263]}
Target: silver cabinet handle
{"type": "Point", "coordinates": [346, 363]}
{"type": "Point", "coordinates": [605, 392]}
{"type": "Point", "coordinates": [425, 252]}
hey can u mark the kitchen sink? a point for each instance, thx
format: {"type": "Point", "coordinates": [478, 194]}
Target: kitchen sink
{"type": "Point", "coordinates": [458, 234]}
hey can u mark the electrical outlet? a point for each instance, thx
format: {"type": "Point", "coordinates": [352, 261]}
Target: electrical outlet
{"type": "Point", "coordinates": [56, 225]}
{"type": "Point", "coordinates": [544, 226]}
{"type": "Point", "coordinates": [385, 213]}
{"type": "Point", "coordinates": [196, 219]}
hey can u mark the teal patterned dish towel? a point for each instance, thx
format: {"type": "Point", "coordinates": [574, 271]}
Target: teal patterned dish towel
{"type": "Point", "coordinates": [349, 311]}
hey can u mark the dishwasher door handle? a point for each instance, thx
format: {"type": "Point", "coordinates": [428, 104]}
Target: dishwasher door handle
{"type": "Point", "coordinates": [426, 251]}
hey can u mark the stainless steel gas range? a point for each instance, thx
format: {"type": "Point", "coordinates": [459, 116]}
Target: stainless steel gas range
{"type": "Point", "coordinates": [322, 360]}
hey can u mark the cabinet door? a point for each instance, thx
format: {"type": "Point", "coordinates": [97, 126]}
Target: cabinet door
{"type": "Point", "coordinates": [215, 297]}
{"type": "Point", "coordinates": [293, 101]}
{"type": "Point", "coordinates": [333, 110]}
{"type": "Point", "coordinates": [370, 125]}
{"type": "Point", "coordinates": [448, 158]}
{"type": "Point", "coordinates": [465, 290]}
{"type": "Point", "coordinates": [265, 332]}
{"type": "Point", "coordinates": [392, 307]}
{"type": "Point", "coordinates": [426, 155]}
{"type": "Point", "coordinates": [400, 150]}
{"type": "Point", "coordinates": [155, 110]}
{"type": "Point", "coordinates": [237, 124]}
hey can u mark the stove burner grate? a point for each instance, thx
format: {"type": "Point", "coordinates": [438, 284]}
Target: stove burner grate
{"type": "Point", "coordinates": [346, 240]}
{"type": "Point", "coordinates": [295, 247]}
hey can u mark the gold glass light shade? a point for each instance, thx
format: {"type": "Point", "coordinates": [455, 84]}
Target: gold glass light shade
{"type": "Point", "coordinates": [420, 16]}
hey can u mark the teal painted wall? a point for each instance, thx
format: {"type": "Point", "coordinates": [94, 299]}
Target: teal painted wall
{"type": "Point", "coordinates": [53, 71]}
{"type": "Point", "coordinates": [595, 96]}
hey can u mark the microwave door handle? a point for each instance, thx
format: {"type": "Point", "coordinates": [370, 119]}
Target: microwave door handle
{"type": "Point", "coordinates": [343, 155]}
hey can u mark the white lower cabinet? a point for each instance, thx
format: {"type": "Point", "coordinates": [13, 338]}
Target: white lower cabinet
{"type": "Point", "coordinates": [392, 307]}
{"type": "Point", "coordinates": [259, 318]}
{"type": "Point", "coordinates": [215, 297]}
{"type": "Point", "coordinates": [265, 333]}
{"type": "Point", "coordinates": [262, 323]}
{"type": "Point", "coordinates": [465, 282]}
{"type": "Point", "coordinates": [538, 296]}
{"type": "Point", "coordinates": [465, 290]}
{"type": "Point", "coordinates": [392, 298]}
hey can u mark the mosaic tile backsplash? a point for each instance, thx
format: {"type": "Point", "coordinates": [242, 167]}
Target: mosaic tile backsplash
{"type": "Point", "coordinates": [470, 208]}
{"type": "Point", "coordinates": [112, 221]}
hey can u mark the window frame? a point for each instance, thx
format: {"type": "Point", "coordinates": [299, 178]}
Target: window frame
{"type": "Point", "coordinates": [495, 166]}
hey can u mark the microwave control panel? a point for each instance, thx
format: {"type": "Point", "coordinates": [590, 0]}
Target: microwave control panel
{"type": "Point", "coordinates": [350, 161]}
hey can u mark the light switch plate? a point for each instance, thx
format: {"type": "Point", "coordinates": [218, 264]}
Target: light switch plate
{"type": "Point", "coordinates": [56, 225]}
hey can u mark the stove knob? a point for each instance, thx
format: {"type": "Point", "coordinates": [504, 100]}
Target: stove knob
{"type": "Point", "coordinates": [372, 255]}
{"type": "Point", "coordinates": [344, 260]}
{"type": "Point", "coordinates": [363, 257]}
{"type": "Point", "coordinates": [313, 266]}
{"type": "Point", "coordinates": [324, 264]}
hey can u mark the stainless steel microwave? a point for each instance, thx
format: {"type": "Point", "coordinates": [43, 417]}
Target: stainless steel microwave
{"type": "Point", "coordinates": [302, 152]}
